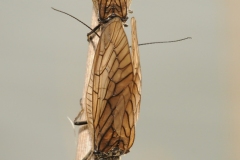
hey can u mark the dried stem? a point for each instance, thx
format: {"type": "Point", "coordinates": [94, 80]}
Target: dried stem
{"type": "Point", "coordinates": [84, 142]}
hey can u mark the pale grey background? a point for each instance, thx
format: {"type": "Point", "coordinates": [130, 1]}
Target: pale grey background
{"type": "Point", "coordinates": [43, 60]}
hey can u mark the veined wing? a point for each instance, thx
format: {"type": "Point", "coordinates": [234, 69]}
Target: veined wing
{"type": "Point", "coordinates": [135, 100]}
{"type": "Point", "coordinates": [110, 116]}
{"type": "Point", "coordinates": [136, 95]}
{"type": "Point", "coordinates": [108, 9]}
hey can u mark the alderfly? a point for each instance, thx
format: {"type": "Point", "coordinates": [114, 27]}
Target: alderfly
{"type": "Point", "coordinates": [114, 92]}
{"type": "Point", "coordinates": [113, 95]}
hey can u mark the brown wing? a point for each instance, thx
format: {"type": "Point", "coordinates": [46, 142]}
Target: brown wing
{"type": "Point", "coordinates": [136, 96]}
{"type": "Point", "coordinates": [110, 116]}
{"type": "Point", "coordinates": [135, 100]}
{"type": "Point", "coordinates": [111, 8]}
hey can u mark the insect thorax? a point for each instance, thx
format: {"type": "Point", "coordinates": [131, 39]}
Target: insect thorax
{"type": "Point", "coordinates": [111, 9]}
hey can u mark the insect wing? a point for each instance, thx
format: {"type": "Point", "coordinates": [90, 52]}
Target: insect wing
{"type": "Point", "coordinates": [134, 104]}
{"type": "Point", "coordinates": [136, 95]}
{"type": "Point", "coordinates": [110, 117]}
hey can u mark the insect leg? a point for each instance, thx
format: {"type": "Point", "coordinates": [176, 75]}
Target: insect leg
{"type": "Point", "coordinates": [93, 31]}
{"type": "Point", "coordinates": [79, 116]}
{"type": "Point", "coordinates": [80, 123]}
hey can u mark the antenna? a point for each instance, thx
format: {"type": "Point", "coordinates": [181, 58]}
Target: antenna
{"type": "Point", "coordinates": [77, 20]}
{"type": "Point", "coordinates": [142, 44]}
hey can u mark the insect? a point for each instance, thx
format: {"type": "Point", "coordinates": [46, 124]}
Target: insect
{"type": "Point", "coordinates": [114, 91]}
{"type": "Point", "coordinates": [113, 96]}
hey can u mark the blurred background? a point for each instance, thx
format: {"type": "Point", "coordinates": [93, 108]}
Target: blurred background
{"type": "Point", "coordinates": [191, 89]}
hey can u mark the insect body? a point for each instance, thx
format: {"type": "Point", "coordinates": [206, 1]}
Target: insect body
{"type": "Point", "coordinates": [114, 92]}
